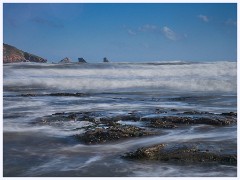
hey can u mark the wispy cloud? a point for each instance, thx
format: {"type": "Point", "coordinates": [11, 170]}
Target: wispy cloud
{"type": "Point", "coordinates": [169, 33]}
{"type": "Point", "coordinates": [230, 22]}
{"type": "Point", "coordinates": [131, 32]}
{"type": "Point", "coordinates": [147, 28]}
{"type": "Point", "coordinates": [47, 22]}
{"type": "Point", "coordinates": [203, 18]}
{"type": "Point", "coordinates": [157, 30]}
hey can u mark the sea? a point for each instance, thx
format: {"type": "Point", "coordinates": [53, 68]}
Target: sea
{"type": "Point", "coordinates": [34, 91]}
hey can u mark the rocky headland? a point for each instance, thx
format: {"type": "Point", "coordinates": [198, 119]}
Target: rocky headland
{"type": "Point", "coordinates": [13, 55]}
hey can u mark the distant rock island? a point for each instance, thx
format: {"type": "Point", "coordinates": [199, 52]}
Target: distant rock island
{"type": "Point", "coordinates": [81, 60]}
{"type": "Point", "coordinates": [12, 55]}
{"type": "Point", "coordinates": [65, 60]}
{"type": "Point", "coordinates": [105, 60]}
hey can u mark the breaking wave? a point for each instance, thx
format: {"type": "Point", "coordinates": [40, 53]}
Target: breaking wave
{"type": "Point", "coordinates": [203, 77]}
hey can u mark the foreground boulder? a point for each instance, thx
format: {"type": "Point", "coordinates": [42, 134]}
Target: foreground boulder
{"type": "Point", "coordinates": [174, 121]}
{"type": "Point", "coordinates": [178, 153]}
{"type": "Point", "coordinates": [116, 132]}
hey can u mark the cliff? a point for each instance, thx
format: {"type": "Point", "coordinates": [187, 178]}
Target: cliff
{"type": "Point", "coordinates": [11, 55]}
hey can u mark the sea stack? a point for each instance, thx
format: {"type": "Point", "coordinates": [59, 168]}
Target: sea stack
{"type": "Point", "coordinates": [65, 60]}
{"type": "Point", "coordinates": [81, 60]}
{"type": "Point", "coordinates": [105, 60]}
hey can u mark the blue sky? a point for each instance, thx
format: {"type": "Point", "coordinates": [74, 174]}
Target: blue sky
{"type": "Point", "coordinates": [123, 32]}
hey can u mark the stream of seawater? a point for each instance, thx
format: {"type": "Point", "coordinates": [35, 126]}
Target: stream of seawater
{"type": "Point", "coordinates": [112, 88]}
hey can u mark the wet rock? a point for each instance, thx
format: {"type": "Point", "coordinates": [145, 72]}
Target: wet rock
{"type": "Point", "coordinates": [28, 95]}
{"type": "Point", "coordinates": [185, 154]}
{"type": "Point", "coordinates": [161, 124]}
{"type": "Point", "coordinates": [102, 135]}
{"type": "Point", "coordinates": [160, 111]}
{"type": "Point", "coordinates": [195, 113]}
{"type": "Point", "coordinates": [62, 117]}
{"type": "Point", "coordinates": [55, 94]}
{"type": "Point", "coordinates": [181, 98]}
{"type": "Point", "coordinates": [230, 114]}
{"type": "Point", "coordinates": [175, 120]}
{"type": "Point", "coordinates": [67, 94]}
{"type": "Point", "coordinates": [211, 121]}
{"type": "Point", "coordinates": [72, 116]}
{"type": "Point", "coordinates": [169, 119]}
{"type": "Point", "coordinates": [57, 114]}
{"type": "Point", "coordinates": [129, 117]}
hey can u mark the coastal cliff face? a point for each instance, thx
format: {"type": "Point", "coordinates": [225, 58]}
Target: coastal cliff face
{"type": "Point", "coordinates": [12, 55]}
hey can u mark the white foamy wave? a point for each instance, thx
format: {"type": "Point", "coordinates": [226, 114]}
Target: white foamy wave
{"type": "Point", "coordinates": [217, 76]}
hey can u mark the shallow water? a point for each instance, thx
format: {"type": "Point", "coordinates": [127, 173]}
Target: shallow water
{"type": "Point", "coordinates": [32, 149]}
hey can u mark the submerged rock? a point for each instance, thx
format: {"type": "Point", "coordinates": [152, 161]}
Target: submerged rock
{"type": "Point", "coordinates": [102, 135]}
{"type": "Point", "coordinates": [179, 153]}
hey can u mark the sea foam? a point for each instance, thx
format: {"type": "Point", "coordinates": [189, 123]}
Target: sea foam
{"type": "Point", "coordinates": [205, 77]}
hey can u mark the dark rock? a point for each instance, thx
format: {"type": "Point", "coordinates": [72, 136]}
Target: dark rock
{"type": "Point", "coordinates": [105, 60]}
{"type": "Point", "coordinates": [185, 154]}
{"type": "Point", "coordinates": [66, 94]}
{"type": "Point", "coordinates": [195, 113]}
{"type": "Point", "coordinates": [181, 98]}
{"type": "Point", "coordinates": [211, 121]}
{"type": "Point", "coordinates": [174, 120]}
{"type": "Point", "coordinates": [65, 60]}
{"type": "Point", "coordinates": [162, 124]}
{"type": "Point", "coordinates": [56, 94]}
{"type": "Point", "coordinates": [28, 95]}
{"type": "Point", "coordinates": [130, 117]}
{"type": "Point", "coordinates": [230, 114]}
{"type": "Point", "coordinates": [81, 60]}
{"type": "Point", "coordinates": [169, 119]}
{"type": "Point", "coordinates": [112, 133]}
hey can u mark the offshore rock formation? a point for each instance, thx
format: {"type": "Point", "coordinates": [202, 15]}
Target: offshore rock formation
{"type": "Point", "coordinates": [105, 60]}
{"type": "Point", "coordinates": [12, 55]}
{"type": "Point", "coordinates": [65, 60]}
{"type": "Point", "coordinates": [81, 60]}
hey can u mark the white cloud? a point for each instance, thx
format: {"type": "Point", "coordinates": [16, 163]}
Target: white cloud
{"type": "Point", "coordinates": [170, 34]}
{"type": "Point", "coordinates": [148, 27]}
{"type": "Point", "coordinates": [203, 18]}
{"type": "Point", "coordinates": [131, 32]}
{"type": "Point", "coordinates": [230, 22]}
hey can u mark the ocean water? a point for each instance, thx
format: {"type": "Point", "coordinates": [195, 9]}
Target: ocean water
{"type": "Point", "coordinates": [32, 149]}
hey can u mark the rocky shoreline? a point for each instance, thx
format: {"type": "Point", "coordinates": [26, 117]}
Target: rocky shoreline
{"type": "Point", "coordinates": [106, 127]}
{"type": "Point", "coordinates": [184, 153]}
